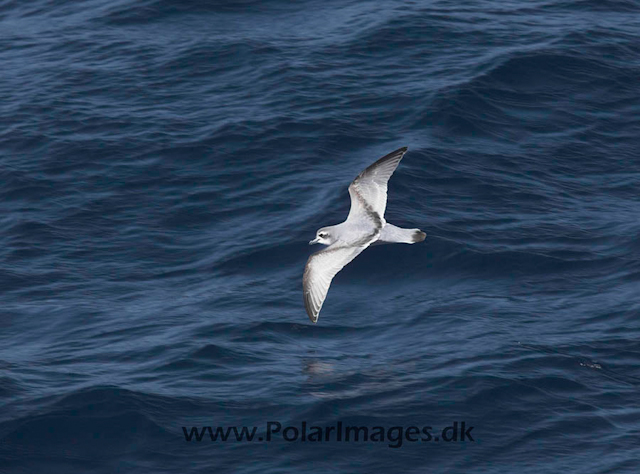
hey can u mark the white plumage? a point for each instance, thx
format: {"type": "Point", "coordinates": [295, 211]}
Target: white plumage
{"type": "Point", "coordinates": [365, 225]}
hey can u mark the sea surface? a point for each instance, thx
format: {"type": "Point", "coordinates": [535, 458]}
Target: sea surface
{"type": "Point", "coordinates": [164, 163]}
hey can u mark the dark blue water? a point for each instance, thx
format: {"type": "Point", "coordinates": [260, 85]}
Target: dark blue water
{"type": "Point", "coordinates": [164, 163]}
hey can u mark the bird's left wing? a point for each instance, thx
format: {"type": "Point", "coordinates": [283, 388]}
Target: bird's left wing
{"type": "Point", "coordinates": [369, 190]}
{"type": "Point", "coordinates": [321, 267]}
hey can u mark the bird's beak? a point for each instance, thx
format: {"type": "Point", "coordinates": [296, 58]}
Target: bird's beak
{"type": "Point", "coordinates": [314, 241]}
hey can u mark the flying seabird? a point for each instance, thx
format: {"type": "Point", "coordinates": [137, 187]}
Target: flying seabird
{"type": "Point", "coordinates": [365, 226]}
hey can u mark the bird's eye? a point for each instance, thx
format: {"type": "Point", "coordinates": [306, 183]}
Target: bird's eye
{"type": "Point", "coordinates": [322, 234]}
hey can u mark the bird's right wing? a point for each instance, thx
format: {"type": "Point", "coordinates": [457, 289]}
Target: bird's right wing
{"type": "Point", "coordinates": [321, 267]}
{"type": "Point", "coordinates": [369, 190]}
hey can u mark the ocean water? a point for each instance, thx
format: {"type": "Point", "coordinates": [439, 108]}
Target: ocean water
{"type": "Point", "coordinates": [164, 163]}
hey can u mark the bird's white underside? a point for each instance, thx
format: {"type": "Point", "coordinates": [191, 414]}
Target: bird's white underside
{"type": "Point", "coordinates": [368, 194]}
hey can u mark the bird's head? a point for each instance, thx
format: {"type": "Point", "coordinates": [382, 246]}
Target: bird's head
{"type": "Point", "coordinates": [324, 236]}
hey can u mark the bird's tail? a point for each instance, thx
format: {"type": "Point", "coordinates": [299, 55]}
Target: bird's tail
{"type": "Point", "coordinates": [391, 235]}
{"type": "Point", "coordinates": [418, 236]}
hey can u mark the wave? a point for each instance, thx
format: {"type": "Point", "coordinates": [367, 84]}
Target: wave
{"type": "Point", "coordinates": [148, 11]}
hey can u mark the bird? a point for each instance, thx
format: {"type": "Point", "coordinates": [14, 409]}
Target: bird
{"type": "Point", "coordinates": [365, 226]}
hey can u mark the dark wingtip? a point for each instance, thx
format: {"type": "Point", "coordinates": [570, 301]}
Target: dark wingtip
{"type": "Point", "coordinates": [399, 150]}
{"type": "Point", "coordinates": [419, 236]}
{"type": "Point", "coordinates": [393, 154]}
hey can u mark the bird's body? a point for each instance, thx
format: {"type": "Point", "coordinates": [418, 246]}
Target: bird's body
{"type": "Point", "coordinates": [365, 225]}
